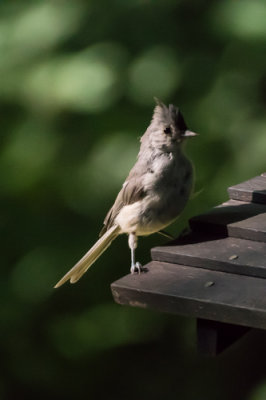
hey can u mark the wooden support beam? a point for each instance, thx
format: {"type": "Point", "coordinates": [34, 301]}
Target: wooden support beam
{"type": "Point", "coordinates": [213, 337]}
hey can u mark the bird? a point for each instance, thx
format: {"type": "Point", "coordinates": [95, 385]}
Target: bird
{"type": "Point", "coordinates": [154, 193]}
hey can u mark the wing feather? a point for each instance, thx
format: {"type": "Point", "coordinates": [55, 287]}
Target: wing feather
{"type": "Point", "coordinates": [131, 192]}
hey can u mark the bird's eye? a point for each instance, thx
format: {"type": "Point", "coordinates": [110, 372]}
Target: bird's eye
{"type": "Point", "coordinates": [167, 130]}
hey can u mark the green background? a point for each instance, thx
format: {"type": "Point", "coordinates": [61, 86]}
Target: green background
{"type": "Point", "coordinates": [77, 80]}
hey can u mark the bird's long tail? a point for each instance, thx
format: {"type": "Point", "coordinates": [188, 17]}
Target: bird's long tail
{"type": "Point", "coordinates": [90, 257]}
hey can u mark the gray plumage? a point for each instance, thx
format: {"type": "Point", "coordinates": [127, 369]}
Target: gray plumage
{"type": "Point", "coordinates": [155, 191]}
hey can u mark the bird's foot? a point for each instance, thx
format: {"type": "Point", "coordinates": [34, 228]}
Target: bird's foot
{"type": "Point", "coordinates": [137, 267]}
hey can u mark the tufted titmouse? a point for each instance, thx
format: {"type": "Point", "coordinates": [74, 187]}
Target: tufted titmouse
{"type": "Point", "coordinates": [154, 193]}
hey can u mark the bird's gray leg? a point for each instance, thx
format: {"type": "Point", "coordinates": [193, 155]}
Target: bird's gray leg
{"type": "Point", "coordinates": [133, 242]}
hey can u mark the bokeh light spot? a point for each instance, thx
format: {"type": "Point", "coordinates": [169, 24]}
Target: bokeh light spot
{"type": "Point", "coordinates": [83, 84]}
{"type": "Point", "coordinates": [245, 19]}
{"type": "Point", "coordinates": [46, 23]}
{"type": "Point", "coordinates": [101, 328]}
{"type": "Point", "coordinates": [87, 81]}
{"type": "Point", "coordinates": [155, 73]}
{"type": "Point", "coordinates": [102, 173]}
{"type": "Point", "coordinates": [259, 393]}
{"type": "Point", "coordinates": [27, 156]}
{"type": "Point", "coordinates": [34, 276]}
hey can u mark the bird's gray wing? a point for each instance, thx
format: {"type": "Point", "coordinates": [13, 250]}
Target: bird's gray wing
{"type": "Point", "coordinates": [131, 192]}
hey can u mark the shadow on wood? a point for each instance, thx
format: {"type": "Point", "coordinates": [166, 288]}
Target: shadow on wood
{"type": "Point", "coordinates": [213, 337]}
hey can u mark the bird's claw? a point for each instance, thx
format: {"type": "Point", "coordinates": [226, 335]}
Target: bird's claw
{"type": "Point", "coordinates": [137, 267]}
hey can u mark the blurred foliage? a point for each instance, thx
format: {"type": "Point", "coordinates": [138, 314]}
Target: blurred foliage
{"type": "Point", "coordinates": [77, 80]}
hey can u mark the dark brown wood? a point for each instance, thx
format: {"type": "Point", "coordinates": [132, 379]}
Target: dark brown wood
{"type": "Point", "coordinates": [196, 292]}
{"type": "Point", "coordinates": [234, 218]}
{"type": "Point", "coordinates": [216, 273]}
{"type": "Point", "coordinates": [253, 190]}
{"type": "Point", "coordinates": [238, 256]}
{"type": "Point", "coordinates": [213, 337]}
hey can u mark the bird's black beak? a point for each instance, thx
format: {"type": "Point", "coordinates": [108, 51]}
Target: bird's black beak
{"type": "Point", "coordinates": [187, 134]}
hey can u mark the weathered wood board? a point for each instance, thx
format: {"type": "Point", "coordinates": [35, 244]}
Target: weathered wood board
{"type": "Point", "coordinates": [215, 274]}
{"type": "Point", "coordinates": [196, 292]}
{"type": "Point", "coordinates": [238, 256]}
{"type": "Point", "coordinates": [234, 218]}
{"type": "Point", "coordinates": [253, 190]}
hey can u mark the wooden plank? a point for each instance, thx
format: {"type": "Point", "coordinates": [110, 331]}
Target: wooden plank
{"type": "Point", "coordinates": [234, 218]}
{"type": "Point", "coordinates": [196, 292]}
{"type": "Point", "coordinates": [213, 337]}
{"type": "Point", "coordinates": [238, 256]}
{"type": "Point", "coordinates": [252, 190]}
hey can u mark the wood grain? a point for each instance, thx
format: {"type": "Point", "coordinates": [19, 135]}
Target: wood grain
{"type": "Point", "coordinates": [173, 288]}
{"type": "Point", "coordinates": [253, 190]}
{"type": "Point", "coordinates": [238, 256]}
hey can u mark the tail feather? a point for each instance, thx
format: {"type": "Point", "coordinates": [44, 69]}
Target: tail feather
{"type": "Point", "coordinates": [90, 257]}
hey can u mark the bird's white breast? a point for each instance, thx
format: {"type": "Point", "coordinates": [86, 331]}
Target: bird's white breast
{"type": "Point", "coordinates": [167, 184]}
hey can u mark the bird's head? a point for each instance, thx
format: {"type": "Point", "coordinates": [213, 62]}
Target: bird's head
{"type": "Point", "coordinates": [168, 129]}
